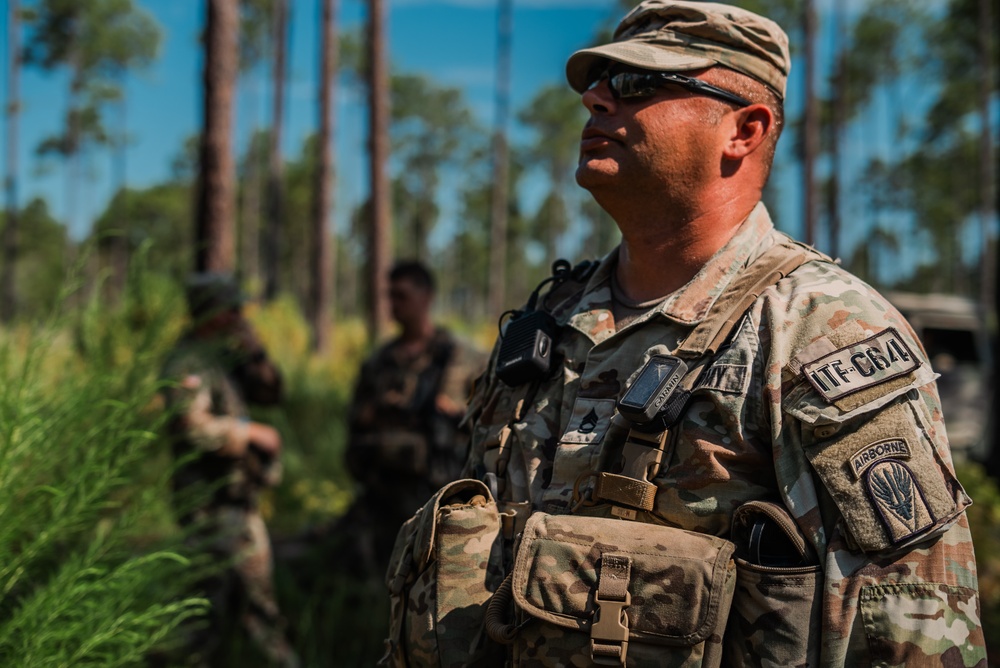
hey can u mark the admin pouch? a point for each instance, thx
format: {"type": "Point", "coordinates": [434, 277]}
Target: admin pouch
{"type": "Point", "coordinates": [445, 565]}
{"type": "Point", "coordinates": [604, 591]}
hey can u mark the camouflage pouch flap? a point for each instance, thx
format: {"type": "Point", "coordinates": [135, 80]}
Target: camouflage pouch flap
{"type": "Point", "coordinates": [680, 583]}
{"type": "Point", "coordinates": [459, 492]}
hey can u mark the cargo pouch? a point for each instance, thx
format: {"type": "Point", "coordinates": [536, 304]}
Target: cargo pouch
{"type": "Point", "coordinates": [776, 615]}
{"type": "Point", "coordinates": [445, 566]}
{"type": "Point", "coordinates": [603, 591]}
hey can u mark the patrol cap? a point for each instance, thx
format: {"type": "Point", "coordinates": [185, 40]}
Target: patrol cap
{"type": "Point", "coordinates": [209, 293]}
{"type": "Point", "coordinates": [678, 36]}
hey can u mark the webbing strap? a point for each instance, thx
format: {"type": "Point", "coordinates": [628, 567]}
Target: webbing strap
{"type": "Point", "coordinates": [638, 494]}
{"type": "Point", "coordinates": [643, 453]}
{"type": "Point", "coordinates": [773, 265]}
{"type": "Point", "coordinates": [609, 631]}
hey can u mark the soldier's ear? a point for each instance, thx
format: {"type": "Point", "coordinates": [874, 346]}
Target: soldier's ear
{"type": "Point", "coordinates": [747, 130]}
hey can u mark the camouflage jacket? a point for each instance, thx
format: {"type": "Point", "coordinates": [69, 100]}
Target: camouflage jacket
{"type": "Point", "coordinates": [398, 434]}
{"type": "Point", "coordinates": [801, 409]}
{"type": "Point", "coordinates": [210, 386]}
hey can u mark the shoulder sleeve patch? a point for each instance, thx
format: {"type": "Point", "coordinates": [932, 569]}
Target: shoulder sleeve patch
{"type": "Point", "coordinates": [861, 365]}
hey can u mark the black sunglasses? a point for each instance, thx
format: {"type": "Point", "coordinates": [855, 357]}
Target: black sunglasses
{"type": "Point", "coordinates": [631, 85]}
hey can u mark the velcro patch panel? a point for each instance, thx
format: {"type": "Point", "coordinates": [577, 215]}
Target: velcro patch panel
{"type": "Point", "coordinates": [861, 365]}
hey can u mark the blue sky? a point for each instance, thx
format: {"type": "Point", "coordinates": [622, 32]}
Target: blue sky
{"type": "Point", "coordinates": [453, 42]}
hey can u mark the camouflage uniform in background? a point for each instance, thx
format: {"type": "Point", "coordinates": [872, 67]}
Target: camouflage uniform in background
{"type": "Point", "coordinates": [402, 447]}
{"type": "Point", "coordinates": [217, 495]}
{"type": "Point", "coordinates": [895, 582]}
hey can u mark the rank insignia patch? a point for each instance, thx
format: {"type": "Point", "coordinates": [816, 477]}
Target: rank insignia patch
{"type": "Point", "coordinates": [861, 365]}
{"type": "Point", "coordinates": [589, 421]}
{"type": "Point", "coordinates": [898, 499]}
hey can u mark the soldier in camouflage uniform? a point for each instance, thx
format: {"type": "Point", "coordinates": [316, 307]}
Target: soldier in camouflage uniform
{"type": "Point", "coordinates": [225, 461]}
{"type": "Point", "coordinates": [803, 494]}
{"type": "Point", "coordinates": [410, 395]}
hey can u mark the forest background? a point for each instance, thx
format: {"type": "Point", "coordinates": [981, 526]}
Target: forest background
{"type": "Point", "coordinates": [442, 131]}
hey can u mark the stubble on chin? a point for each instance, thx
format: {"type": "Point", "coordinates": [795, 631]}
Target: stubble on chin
{"type": "Point", "coordinates": [593, 172]}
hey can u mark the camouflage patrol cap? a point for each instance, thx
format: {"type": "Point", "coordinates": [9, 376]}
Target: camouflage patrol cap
{"type": "Point", "coordinates": [209, 293]}
{"type": "Point", "coordinates": [678, 36]}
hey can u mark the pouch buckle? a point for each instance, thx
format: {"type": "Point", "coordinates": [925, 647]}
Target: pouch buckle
{"type": "Point", "coordinates": [609, 631]}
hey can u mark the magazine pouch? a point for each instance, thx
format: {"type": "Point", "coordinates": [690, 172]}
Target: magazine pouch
{"type": "Point", "coordinates": [776, 617]}
{"type": "Point", "coordinates": [604, 591]}
{"type": "Point", "coordinates": [445, 565]}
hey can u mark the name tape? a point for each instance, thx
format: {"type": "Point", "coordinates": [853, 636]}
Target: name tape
{"type": "Point", "coordinates": [861, 365]}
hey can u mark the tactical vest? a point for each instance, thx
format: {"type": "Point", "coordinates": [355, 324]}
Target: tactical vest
{"type": "Point", "coordinates": [477, 583]}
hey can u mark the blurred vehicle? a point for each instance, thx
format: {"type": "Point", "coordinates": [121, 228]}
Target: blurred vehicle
{"type": "Point", "coordinates": [954, 335]}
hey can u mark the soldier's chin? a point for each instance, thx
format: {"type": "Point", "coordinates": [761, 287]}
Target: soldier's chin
{"type": "Point", "coordinates": [595, 172]}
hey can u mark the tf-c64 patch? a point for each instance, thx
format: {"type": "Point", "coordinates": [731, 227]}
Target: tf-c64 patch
{"type": "Point", "coordinates": [861, 365]}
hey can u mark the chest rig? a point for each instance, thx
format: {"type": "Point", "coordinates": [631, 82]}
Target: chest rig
{"type": "Point", "coordinates": [630, 488]}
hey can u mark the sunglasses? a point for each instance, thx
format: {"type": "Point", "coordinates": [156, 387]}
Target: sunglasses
{"type": "Point", "coordinates": [633, 85]}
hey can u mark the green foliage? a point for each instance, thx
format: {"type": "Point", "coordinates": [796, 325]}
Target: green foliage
{"type": "Point", "coordinates": [91, 574]}
{"type": "Point", "coordinates": [160, 215]}
{"type": "Point", "coordinates": [984, 517]}
{"type": "Point", "coordinates": [43, 256]}
{"type": "Point", "coordinates": [98, 41]}
{"type": "Point", "coordinates": [432, 130]}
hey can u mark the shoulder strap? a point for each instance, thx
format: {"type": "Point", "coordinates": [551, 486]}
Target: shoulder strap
{"type": "Point", "coordinates": [773, 265]}
{"type": "Point", "coordinates": [632, 489]}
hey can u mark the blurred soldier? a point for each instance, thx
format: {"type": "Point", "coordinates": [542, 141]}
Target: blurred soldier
{"type": "Point", "coordinates": [225, 460]}
{"type": "Point", "coordinates": [410, 396]}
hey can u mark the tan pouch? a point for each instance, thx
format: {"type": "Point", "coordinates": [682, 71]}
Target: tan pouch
{"type": "Point", "coordinates": [610, 592]}
{"type": "Point", "coordinates": [445, 566]}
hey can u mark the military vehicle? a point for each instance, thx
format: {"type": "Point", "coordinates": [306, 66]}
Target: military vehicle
{"type": "Point", "coordinates": [954, 335]}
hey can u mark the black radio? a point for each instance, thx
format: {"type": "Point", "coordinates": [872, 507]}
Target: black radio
{"type": "Point", "coordinates": [526, 346]}
{"type": "Point", "coordinates": [526, 350]}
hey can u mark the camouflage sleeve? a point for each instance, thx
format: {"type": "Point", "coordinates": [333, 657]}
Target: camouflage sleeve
{"type": "Point", "coordinates": [466, 365]}
{"type": "Point", "coordinates": [482, 388]}
{"type": "Point", "coordinates": [191, 399]}
{"type": "Point", "coordinates": [863, 463]}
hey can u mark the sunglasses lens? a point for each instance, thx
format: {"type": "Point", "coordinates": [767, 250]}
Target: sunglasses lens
{"type": "Point", "coordinates": [633, 84]}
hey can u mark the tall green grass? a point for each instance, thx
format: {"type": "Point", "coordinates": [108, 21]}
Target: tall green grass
{"type": "Point", "coordinates": [90, 568]}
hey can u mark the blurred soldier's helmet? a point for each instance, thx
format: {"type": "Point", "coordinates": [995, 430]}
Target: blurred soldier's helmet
{"type": "Point", "coordinates": [210, 293]}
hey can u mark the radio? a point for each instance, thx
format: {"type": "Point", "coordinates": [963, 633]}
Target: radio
{"type": "Point", "coordinates": [526, 350]}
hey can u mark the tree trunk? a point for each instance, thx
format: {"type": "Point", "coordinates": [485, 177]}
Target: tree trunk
{"type": "Point", "coordinates": [8, 277]}
{"type": "Point", "coordinates": [838, 119]}
{"type": "Point", "coordinates": [275, 184]}
{"type": "Point", "coordinates": [810, 144]}
{"type": "Point", "coordinates": [214, 243]}
{"type": "Point", "coordinates": [499, 204]}
{"type": "Point", "coordinates": [120, 250]}
{"type": "Point", "coordinates": [380, 241]}
{"type": "Point", "coordinates": [987, 175]}
{"type": "Point", "coordinates": [250, 220]}
{"type": "Point", "coordinates": [989, 290]}
{"type": "Point", "coordinates": [322, 249]}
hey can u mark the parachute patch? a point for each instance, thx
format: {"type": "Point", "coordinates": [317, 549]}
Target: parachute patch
{"type": "Point", "coordinates": [898, 499]}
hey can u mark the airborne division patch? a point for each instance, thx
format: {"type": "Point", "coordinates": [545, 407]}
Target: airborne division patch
{"type": "Point", "coordinates": [861, 365]}
{"type": "Point", "coordinates": [899, 500]}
